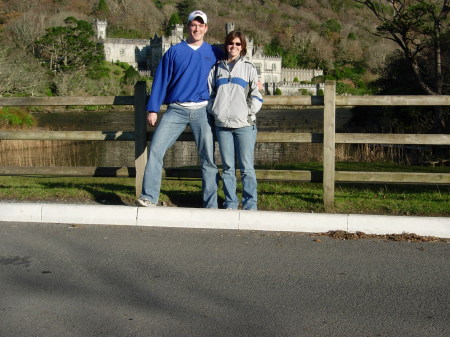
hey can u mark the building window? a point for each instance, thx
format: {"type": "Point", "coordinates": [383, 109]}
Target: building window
{"type": "Point", "coordinates": [258, 68]}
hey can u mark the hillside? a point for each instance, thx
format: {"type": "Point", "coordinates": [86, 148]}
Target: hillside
{"type": "Point", "coordinates": [333, 35]}
{"type": "Point", "coordinates": [336, 29]}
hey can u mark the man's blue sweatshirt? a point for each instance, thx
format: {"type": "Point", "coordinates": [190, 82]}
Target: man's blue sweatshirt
{"type": "Point", "coordinates": [182, 75]}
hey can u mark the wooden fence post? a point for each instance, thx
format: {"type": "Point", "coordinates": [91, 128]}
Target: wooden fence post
{"type": "Point", "coordinates": [140, 131]}
{"type": "Point", "coordinates": [329, 144]}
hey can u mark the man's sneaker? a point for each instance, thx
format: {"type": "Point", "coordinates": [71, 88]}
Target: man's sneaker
{"type": "Point", "coordinates": [141, 202]}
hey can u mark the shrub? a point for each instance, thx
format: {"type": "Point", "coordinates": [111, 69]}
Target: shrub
{"type": "Point", "coordinates": [304, 92]}
{"type": "Point", "coordinates": [131, 76]}
{"type": "Point", "coordinates": [15, 118]}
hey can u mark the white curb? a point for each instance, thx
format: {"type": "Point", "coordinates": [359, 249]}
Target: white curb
{"type": "Point", "coordinates": [222, 219]}
{"type": "Point", "coordinates": [20, 212]}
{"type": "Point", "coordinates": [187, 217]}
{"type": "Point", "coordinates": [89, 214]}
{"type": "Point", "coordinates": [382, 224]}
{"type": "Point", "coordinates": [292, 221]}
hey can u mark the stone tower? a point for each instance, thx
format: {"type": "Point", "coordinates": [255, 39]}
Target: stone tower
{"type": "Point", "coordinates": [100, 28]}
{"type": "Point", "coordinates": [229, 27]}
{"type": "Point", "coordinates": [177, 31]}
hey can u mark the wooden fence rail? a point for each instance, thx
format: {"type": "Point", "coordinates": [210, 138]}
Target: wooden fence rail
{"type": "Point", "coordinates": [329, 138]}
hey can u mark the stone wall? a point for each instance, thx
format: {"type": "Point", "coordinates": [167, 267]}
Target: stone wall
{"type": "Point", "coordinates": [289, 74]}
{"type": "Point", "coordinates": [132, 51]}
{"type": "Point", "coordinates": [295, 88]}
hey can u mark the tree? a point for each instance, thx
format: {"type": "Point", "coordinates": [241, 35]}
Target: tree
{"type": "Point", "coordinates": [102, 6]}
{"type": "Point", "coordinates": [296, 3]}
{"type": "Point", "coordinates": [274, 48]}
{"type": "Point", "coordinates": [184, 8]}
{"type": "Point", "coordinates": [331, 29]}
{"type": "Point", "coordinates": [102, 10]}
{"type": "Point", "coordinates": [25, 30]}
{"type": "Point", "coordinates": [174, 20]}
{"type": "Point", "coordinates": [158, 4]}
{"type": "Point", "coordinates": [312, 52]}
{"type": "Point", "coordinates": [21, 78]}
{"type": "Point", "coordinates": [289, 60]}
{"type": "Point", "coordinates": [70, 47]}
{"type": "Point", "coordinates": [304, 92]}
{"type": "Point", "coordinates": [131, 76]}
{"type": "Point", "coordinates": [416, 26]}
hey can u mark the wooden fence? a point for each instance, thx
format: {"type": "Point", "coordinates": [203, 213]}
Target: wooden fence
{"type": "Point", "coordinates": [329, 138]}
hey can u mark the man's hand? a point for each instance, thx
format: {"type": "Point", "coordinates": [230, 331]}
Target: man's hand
{"type": "Point", "coordinates": [259, 85]}
{"type": "Point", "coordinates": [151, 118]}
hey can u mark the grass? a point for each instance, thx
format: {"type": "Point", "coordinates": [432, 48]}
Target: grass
{"type": "Point", "coordinates": [273, 196]}
{"type": "Point", "coordinates": [15, 118]}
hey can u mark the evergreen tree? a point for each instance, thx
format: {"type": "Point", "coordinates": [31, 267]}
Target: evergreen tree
{"type": "Point", "coordinates": [70, 47]}
{"type": "Point", "coordinates": [102, 5]}
{"type": "Point", "coordinates": [174, 20]}
{"type": "Point", "coordinates": [185, 8]}
{"type": "Point", "coordinates": [131, 76]}
{"type": "Point", "coordinates": [274, 48]}
{"type": "Point", "coordinates": [102, 9]}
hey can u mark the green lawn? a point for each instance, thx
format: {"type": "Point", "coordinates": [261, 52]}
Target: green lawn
{"type": "Point", "coordinates": [273, 196]}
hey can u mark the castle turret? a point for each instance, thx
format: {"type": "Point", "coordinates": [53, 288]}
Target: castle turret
{"type": "Point", "coordinates": [100, 28]}
{"type": "Point", "coordinates": [177, 32]}
{"type": "Point", "coordinates": [229, 27]}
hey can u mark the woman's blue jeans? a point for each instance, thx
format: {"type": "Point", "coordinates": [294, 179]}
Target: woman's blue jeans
{"type": "Point", "coordinates": [170, 127]}
{"type": "Point", "coordinates": [239, 143]}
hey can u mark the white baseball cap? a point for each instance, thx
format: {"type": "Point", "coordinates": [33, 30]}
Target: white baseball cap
{"type": "Point", "coordinates": [198, 14]}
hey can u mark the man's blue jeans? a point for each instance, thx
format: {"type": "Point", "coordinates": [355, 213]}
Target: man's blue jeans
{"type": "Point", "coordinates": [238, 142]}
{"type": "Point", "coordinates": [170, 127]}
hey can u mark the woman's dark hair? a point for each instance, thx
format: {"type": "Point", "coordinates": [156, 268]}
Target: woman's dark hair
{"type": "Point", "coordinates": [236, 34]}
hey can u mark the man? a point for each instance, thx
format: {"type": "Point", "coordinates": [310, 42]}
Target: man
{"type": "Point", "coordinates": [181, 82]}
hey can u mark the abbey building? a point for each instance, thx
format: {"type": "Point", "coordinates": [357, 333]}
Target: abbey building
{"type": "Point", "coordinates": [145, 54]}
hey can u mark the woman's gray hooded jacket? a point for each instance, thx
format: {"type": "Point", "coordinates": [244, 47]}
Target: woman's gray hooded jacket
{"type": "Point", "coordinates": [235, 98]}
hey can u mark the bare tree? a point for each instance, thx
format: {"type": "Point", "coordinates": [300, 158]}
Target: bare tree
{"type": "Point", "coordinates": [19, 77]}
{"type": "Point", "coordinates": [26, 29]}
{"type": "Point", "coordinates": [114, 6]}
{"type": "Point", "coordinates": [377, 54]}
{"type": "Point", "coordinates": [415, 26]}
{"type": "Point", "coordinates": [19, 5]}
{"type": "Point", "coordinates": [349, 51]}
{"type": "Point", "coordinates": [141, 16]}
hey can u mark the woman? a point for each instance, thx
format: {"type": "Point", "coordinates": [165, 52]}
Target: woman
{"type": "Point", "coordinates": [234, 101]}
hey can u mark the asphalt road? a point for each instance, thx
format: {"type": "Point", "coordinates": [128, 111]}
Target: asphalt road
{"type": "Point", "coordinates": [59, 280]}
